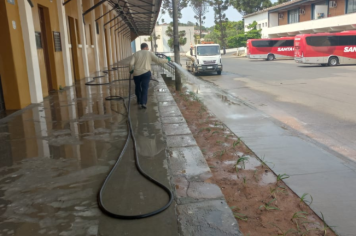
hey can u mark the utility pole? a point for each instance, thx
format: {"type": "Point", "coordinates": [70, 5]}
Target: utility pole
{"type": "Point", "coordinates": [175, 32]}
{"type": "Point", "coordinates": [155, 39]}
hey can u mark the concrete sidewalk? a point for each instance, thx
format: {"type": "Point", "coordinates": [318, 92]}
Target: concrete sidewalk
{"type": "Point", "coordinates": [313, 169]}
{"type": "Point", "coordinates": [55, 155]}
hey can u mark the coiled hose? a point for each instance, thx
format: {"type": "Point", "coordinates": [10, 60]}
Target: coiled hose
{"type": "Point", "coordinates": [137, 161]}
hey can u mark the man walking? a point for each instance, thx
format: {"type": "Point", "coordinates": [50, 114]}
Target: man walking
{"type": "Point", "coordinates": [140, 67]}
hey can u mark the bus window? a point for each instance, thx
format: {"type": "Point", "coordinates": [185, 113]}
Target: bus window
{"type": "Point", "coordinates": [322, 41]}
{"type": "Point", "coordinates": [261, 43]}
{"type": "Point", "coordinates": [347, 40]}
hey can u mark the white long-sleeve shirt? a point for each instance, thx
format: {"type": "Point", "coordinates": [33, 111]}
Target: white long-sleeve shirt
{"type": "Point", "coordinates": [141, 62]}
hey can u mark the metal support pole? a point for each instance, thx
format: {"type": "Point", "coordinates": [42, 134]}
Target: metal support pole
{"type": "Point", "coordinates": [175, 32]}
{"type": "Point", "coordinates": [93, 7]}
{"type": "Point", "coordinates": [66, 2]}
{"type": "Point", "coordinates": [119, 27]}
{"type": "Point", "coordinates": [123, 30]}
{"type": "Point", "coordinates": [106, 13]}
{"type": "Point", "coordinates": [111, 20]}
{"type": "Point", "coordinates": [30, 2]}
{"type": "Point", "coordinates": [115, 25]}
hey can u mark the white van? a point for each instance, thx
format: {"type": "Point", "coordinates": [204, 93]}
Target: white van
{"type": "Point", "coordinates": [205, 58]}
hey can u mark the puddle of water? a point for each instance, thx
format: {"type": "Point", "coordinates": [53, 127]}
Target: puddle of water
{"type": "Point", "coordinates": [235, 116]}
{"type": "Point", "coordinates": [229, 162]}
{"type": "Point", "coordinates": [268, 178]}
{"type": "Point", "coordinates": [251, 164]}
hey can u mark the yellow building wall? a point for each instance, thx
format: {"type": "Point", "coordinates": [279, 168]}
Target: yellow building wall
{"type": "Point", "coordinates": [99, 36]}
{"type": "Point", "coordinates": [13, 69]}
{"type": "Point", "coordinates": [89, 38]}
{"type": "Point", "coordinates": [56, 58]}
{"type": "Point", "coordinates": [72, 11]}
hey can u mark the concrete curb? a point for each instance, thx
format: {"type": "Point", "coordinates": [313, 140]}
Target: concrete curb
{"type": "Point", "coordinates": [200, 205]}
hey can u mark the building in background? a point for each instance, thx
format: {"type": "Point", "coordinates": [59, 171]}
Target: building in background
{"type": "Point", "coordinates": [305, 16]}
{"type": "Point", "coordinates": [162, 41]}
{"type": "Point", "coordinates": [261, 17]}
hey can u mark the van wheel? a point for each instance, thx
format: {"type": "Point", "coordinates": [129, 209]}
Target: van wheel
{"type": "Point", "coordinates": [219, 72]}
{"type": "Point", "coordinates": [270, 57]}
{"type": "Point", "coordinates": [333, 61]}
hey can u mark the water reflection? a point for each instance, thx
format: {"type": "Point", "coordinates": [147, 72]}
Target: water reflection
{"type": "Point", "coordinates": [54, 156]}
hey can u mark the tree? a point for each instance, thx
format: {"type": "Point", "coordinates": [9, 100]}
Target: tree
{"type": "Point", "coordinates": [250, 6]}
{"type": "Point", "coordinates": [220, 6]}
{"type": "Point", "coordinates": [233, 28]}
{"type": "Point", "coordinates": [283, 1]}
{"type": "Point", "coordinates": [241, 38]}
{"type": "Point", "coordinates": [168, 6]}
{"type": "Point", "coordinates": [181, 34]}
{"type": "Point", "coordinates": [200, 8]}
{"type": "Point", "coordinates": [149, 39]}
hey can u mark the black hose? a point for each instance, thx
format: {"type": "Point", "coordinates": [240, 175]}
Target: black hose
{"type": "Point", "coordinates": [137, 162]}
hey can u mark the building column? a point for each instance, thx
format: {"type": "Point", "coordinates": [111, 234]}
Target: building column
{"type": "Point", "coordinates": [102, 35]}
{"type": "Point", "coordinates": [82, 38]}
{"type": "Point", "coordinates": [94, 36]}
{"type": "Point", "coordinates": [33, 67]}
{"type": "Point", "coordinates": [118, 44]}
{"type": "Point", "coordinates": [65, 44]}
{"type": "Point", "coordinates": [108, 36]}
{"type": "Point", "coordinates": [112, 32]}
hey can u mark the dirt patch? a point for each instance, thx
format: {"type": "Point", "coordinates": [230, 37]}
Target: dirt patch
{"type": "Point", "coordinates": [261, 202]}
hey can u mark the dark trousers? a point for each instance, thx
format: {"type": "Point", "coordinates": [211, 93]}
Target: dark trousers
{"type": "Point", "coordinates": [141, 87]}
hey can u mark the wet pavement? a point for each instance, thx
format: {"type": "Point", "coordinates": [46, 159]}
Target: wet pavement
{"type": "Point", "coordinates": [329, 179]}
{"type": "Point", "coordinates": [55, 155]}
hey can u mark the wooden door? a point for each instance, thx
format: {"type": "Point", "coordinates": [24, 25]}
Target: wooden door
{"type": "Point", "coordinates": [45, 41]}
{"type": "Point", "coordinates": [73, 40]}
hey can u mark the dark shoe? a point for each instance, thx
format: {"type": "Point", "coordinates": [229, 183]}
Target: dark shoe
{"type": "Point", "coordinates": [144, 106]}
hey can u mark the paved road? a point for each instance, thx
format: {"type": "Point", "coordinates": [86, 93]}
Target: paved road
{"type": "Point", "coordinates": [319, 102]}
{"type": "Point", "coordinates": [311, 100]}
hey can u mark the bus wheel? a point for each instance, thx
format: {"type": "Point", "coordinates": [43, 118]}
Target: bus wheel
{"type": "Point", "coordinates": [219, 72]}
{"type": "Point", "coordinates": [333, 61]}
{"type": "Point", "coordinates": [270, 57]}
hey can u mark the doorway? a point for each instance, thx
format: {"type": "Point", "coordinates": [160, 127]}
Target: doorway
{"type": "Point", "coordinates": [74, 43]}
{"type": "Point", "coordinates": [44, 24]}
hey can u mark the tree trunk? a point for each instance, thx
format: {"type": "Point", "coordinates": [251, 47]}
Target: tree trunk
{"type": "Point", "coordinates": [175, 32]}
{"type": "Point", "coordinates": [221, 28]}
{"type": "Point", "coordinates": [200, 25]}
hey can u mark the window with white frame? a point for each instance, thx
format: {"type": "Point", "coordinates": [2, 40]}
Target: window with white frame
{"type": "Point", "coordinates": [351, 6]}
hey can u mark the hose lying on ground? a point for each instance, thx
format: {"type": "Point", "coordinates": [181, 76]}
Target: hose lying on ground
{"type": "Point", "coordinates": [137, 161]}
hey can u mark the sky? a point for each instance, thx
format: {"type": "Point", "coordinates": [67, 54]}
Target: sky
{"type": "Point", "coordinates": [188, 15]}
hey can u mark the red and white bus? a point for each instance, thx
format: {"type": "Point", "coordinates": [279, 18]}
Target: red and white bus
{"type": "Point", "coordinates": [326, 48]}
{"type": "Point", "coordinates": [270, 49]}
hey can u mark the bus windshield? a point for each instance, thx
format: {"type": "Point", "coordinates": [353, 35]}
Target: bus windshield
{"type": "Point", "coordinates": [208, 50]}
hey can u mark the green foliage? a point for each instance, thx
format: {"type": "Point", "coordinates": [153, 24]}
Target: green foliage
{"type": "Point", "coordinates": [220, 6]}
{"type": "Point", "coordinates": [268, 205]}
{"type": "Point", "coordinates": [167, 6]}
{"type": "Point", "coordinates": [250, 6]}
{"type": "Point", "coordinates": [280, 2]}
{"type": "Point", "coordinates": [200, 8]}
{"type": "Point", "coordinates": [149, 39]}
{"type": "Point", "coordinates": [182, 39]}
{"type": "Point", "coordinates": [236, 36]}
